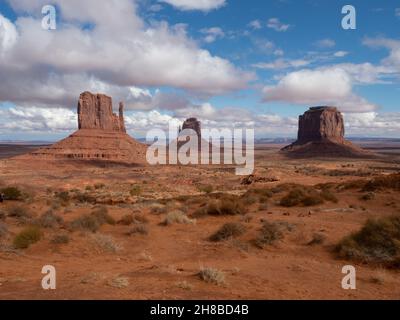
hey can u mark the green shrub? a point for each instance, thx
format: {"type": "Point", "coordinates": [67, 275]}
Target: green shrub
{"type": "Point", "coordinates": [136, 190]}
{"type": "Point", "coordinates": [377, 242]}
{"type": "Point", "coordinates": [269, 234]}
{"type": "Point", "coordinates": [26, 237]}
{"type": "Point", "coordinates": [12, 193]}
{"type": "Point", "coordinates": [228, 231]}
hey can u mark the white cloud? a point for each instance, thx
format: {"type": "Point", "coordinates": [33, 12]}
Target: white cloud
{"type": "Point", "coordinates": [277, 25]}
{"type": "Point", "coordinates": [374, 124]}
{"type": "Point", "coordinates": [340, 54]}
{"type": "Point", "coordinates": [39, 66]}
{"type": "Point", "coordinates": [212, 34]}
{"type": "Point", "coordinates": [329, 86]}
{"type": "Point", "coordinates": [393, 60]}
{"type": "Point", "coordinates": [282, 64]}
{"type": "Point", "coordinates": [397, 12]}
{"type": "Point", "coordinates": [255, 24]}
{"type": "Point", "coordinates": [325, 43]}
{"type": "Point", "coordinates": [202, 5]}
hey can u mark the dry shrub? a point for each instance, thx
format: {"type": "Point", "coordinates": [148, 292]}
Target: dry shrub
{"type": "Point", "coordinates": [105, 243]}
{"type": "Point", "coordinates": [317, 238]}
{"type": "Point", "coordinates": [269, 234]}
{"type": "Point", "coordinates": [139, 229]}
{"type": "Point", "coordinates": [385, 182]}
{"type": "Point", "coordinates": [227, 205]}
{"type": "Point", "coordinates": [3, 230]}
{"type": "Point", "coordinates": [307, 196]}
{"type": "Point", "coordinates": [140, 218]}
{"type": "Point", "coordinates": [86, 223]}
{"type": "Point", "coordinates": [212, 275]}
{"type": "Point", "coordinates": [26, 237]}
{"type": "Point", "coordinates": [378, 241]}
{"type": "Point", "coordinates": [228, 231]}
{"type": "Point", "coordinates": [102, 216]}
{"type": "Point", "coordinates": [18, 212]}
{"type": "Point", "coordinates": [126, 220]}
{"type": "Point", "coordinates": [60, 239]}
{"type": "Point", "coordinates": [177, 217]}
{"type": "Point", "coordinates": [49, 220]}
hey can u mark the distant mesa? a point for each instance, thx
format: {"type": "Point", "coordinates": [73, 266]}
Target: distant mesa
{"type": "Point", "coordinates": [101, 135]}
{"type": "Point", "coordinates": [321, 134]}
{"type": "Point", "coordinates": [193, 124]}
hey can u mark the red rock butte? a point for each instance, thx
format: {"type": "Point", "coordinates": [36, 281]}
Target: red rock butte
{"type": "Point", "coordinates": [101, 135]}
{"type": "Point", "coordinates": [321, 134]}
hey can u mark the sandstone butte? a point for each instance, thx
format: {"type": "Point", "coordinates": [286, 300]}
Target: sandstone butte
{"type": "Point", "coordinates": [321, 134]}
{"type": "Point", "coordinates": [101, 135]}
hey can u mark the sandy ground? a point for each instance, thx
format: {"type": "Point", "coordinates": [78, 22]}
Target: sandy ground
{"type": "Point", "coordinates": [164, 264]}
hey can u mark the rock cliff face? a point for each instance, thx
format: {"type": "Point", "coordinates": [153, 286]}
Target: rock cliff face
{"type": "Point", "coordinates": [321, 134]}
{"type": "Point", "coordinates": [101, 135]}
{"type": "Point", "coordinates": [95, 112]}
{"type": "Point", "coordinates": [321, 123]}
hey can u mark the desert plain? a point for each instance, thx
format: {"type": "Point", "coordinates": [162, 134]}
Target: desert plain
{"type": "Point", "coordinates": [119, 231]}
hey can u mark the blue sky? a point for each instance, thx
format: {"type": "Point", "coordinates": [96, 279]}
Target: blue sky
{"type": "Point", "coordinates": [245, 63]}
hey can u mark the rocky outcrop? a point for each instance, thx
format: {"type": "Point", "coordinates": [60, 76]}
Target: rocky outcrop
{"type": "Point", "coordinates": [193, 124]}
{"type": "Point", "coordinates": [101, 135]}
{"type": "Point", "coordinates": [321, 134]}
{"type": "Point", "coordinates": [321, 123]}
{"type": "Point", "coordinates": [95, 112]}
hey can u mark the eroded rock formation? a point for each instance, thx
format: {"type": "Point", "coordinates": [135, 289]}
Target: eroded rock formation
{"type": "Point", "coordinates": [194, 124]}
{"type": "Point", "coordinates": [101, 135]}
{"type": "Point", "coordinates": [95, 112]}
{"type": "Point", "coordinates": [321, 133]}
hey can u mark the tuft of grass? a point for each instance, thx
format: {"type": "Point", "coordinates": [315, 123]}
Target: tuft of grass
{"type": "Point", "coordinates": [212, 275]}
{"type": "Point", "coordinates": [102, 216]}
{"type": "Point", "coordinates": [18, 212]}
{"type": "Point", "coordinates": [12, 193]}
{"type": "Point", "coordinates": [85, 222]}
{"type": "Point", "coordinates": [226, 206]}
{"type": "Point", "coordinates": [206, 189]}
{"type": "Point", "coordinates": [3, 230]}
{"type": "Point", "coordinates": [317, 238]}
{"type": "Point", "coordinates": [60, 239]}
{"type": "Point", "coordinates": [119, 282]}
{"type": "Point", "coordinates": [228, 231]}
{"type": "Point", "coordinates": [63, 196]}
{"type": "Point", "coordinates": [49, 220]}
{"type": "Point", "coordinates": [139, 229]}
{"type": "Point", "coordinates": [105, 243]}
{"type": "Point", "coordinates": [136, 190]}
{"type": "Point", "coordinates": [26, 237]}
{"type": "Point", "coordinates": [140, 219]}
{"type": "Point", "coordinates": [269, 234]}
{"type": "Point", "coordinates": [177, 217]}
{"type": "Point", "coordinates": [126, 220]}
{"type": "Point", "coordinates": [378, 241]}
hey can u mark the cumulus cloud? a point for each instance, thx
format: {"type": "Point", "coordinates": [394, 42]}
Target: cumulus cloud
{"type": "Point", "coordinates": [340, 54]}
{"type": "Point", "coordinates": [329, 86]}
{"type": "Point", "coordinates": [121, 51]}
{"type": "Point", "coordinates": [393, 60]}
{"type": "Point", "coordinates": [277, 25]}
{"type": "Point", "coordinates": [385, 124]}
{"type": "Point", "coordinates": [202, 5]}
{"type": "Point", "coordinates": [255, 24]}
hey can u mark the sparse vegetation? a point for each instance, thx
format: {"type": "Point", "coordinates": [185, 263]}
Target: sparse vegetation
{"type": "Point", "coordinates": [317, 238]}
{"type": "Point", "coordinates": [206, 189]}
{"type": "Point", "coordinates": [105, 243]}
{"type": "Point", "coordinates": [102, 216]}
{"type": "Point", "coordinates": [384, 182]}
{"type": "Point", "coordinates": [12, 193]}
{"type": "Point", "coordinates": [269, 234]}
{"type": "Point", "coordinates": [26, 237]}
{"type": "Point", "coordinates": [212, 275]}
{"type": "Point", "coordinates": [228, 231]}
{"type": "Point", "coordinates": [136, 190]}
{"type": "Point", "coordinates": [85, 222]}
{"type": "Point", "coordinates": [177, 217]}
{"type": "Point", "coordinates": [60, 239]}
{"type": "Point", "coordinates": [49, 220]}
{"type": "Point", "coordinates": [226, 206]}
{"type": "Point", "coordinates": [307, 196]}
{"type": "Point", "coordinates": [377, 242]}
{"type": "Point", "coordinates": [63, 196]}
{"type": "Point", "coordinates": [139, 229]}
{"type": "Point", "coordinates": [18, 212]}
{"type": "Point", "coordinates": [3, 230]}
{"type": "Point", "coordinates": [126, 220]}
{"type": "Point", "coordinates": [119, 282]}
